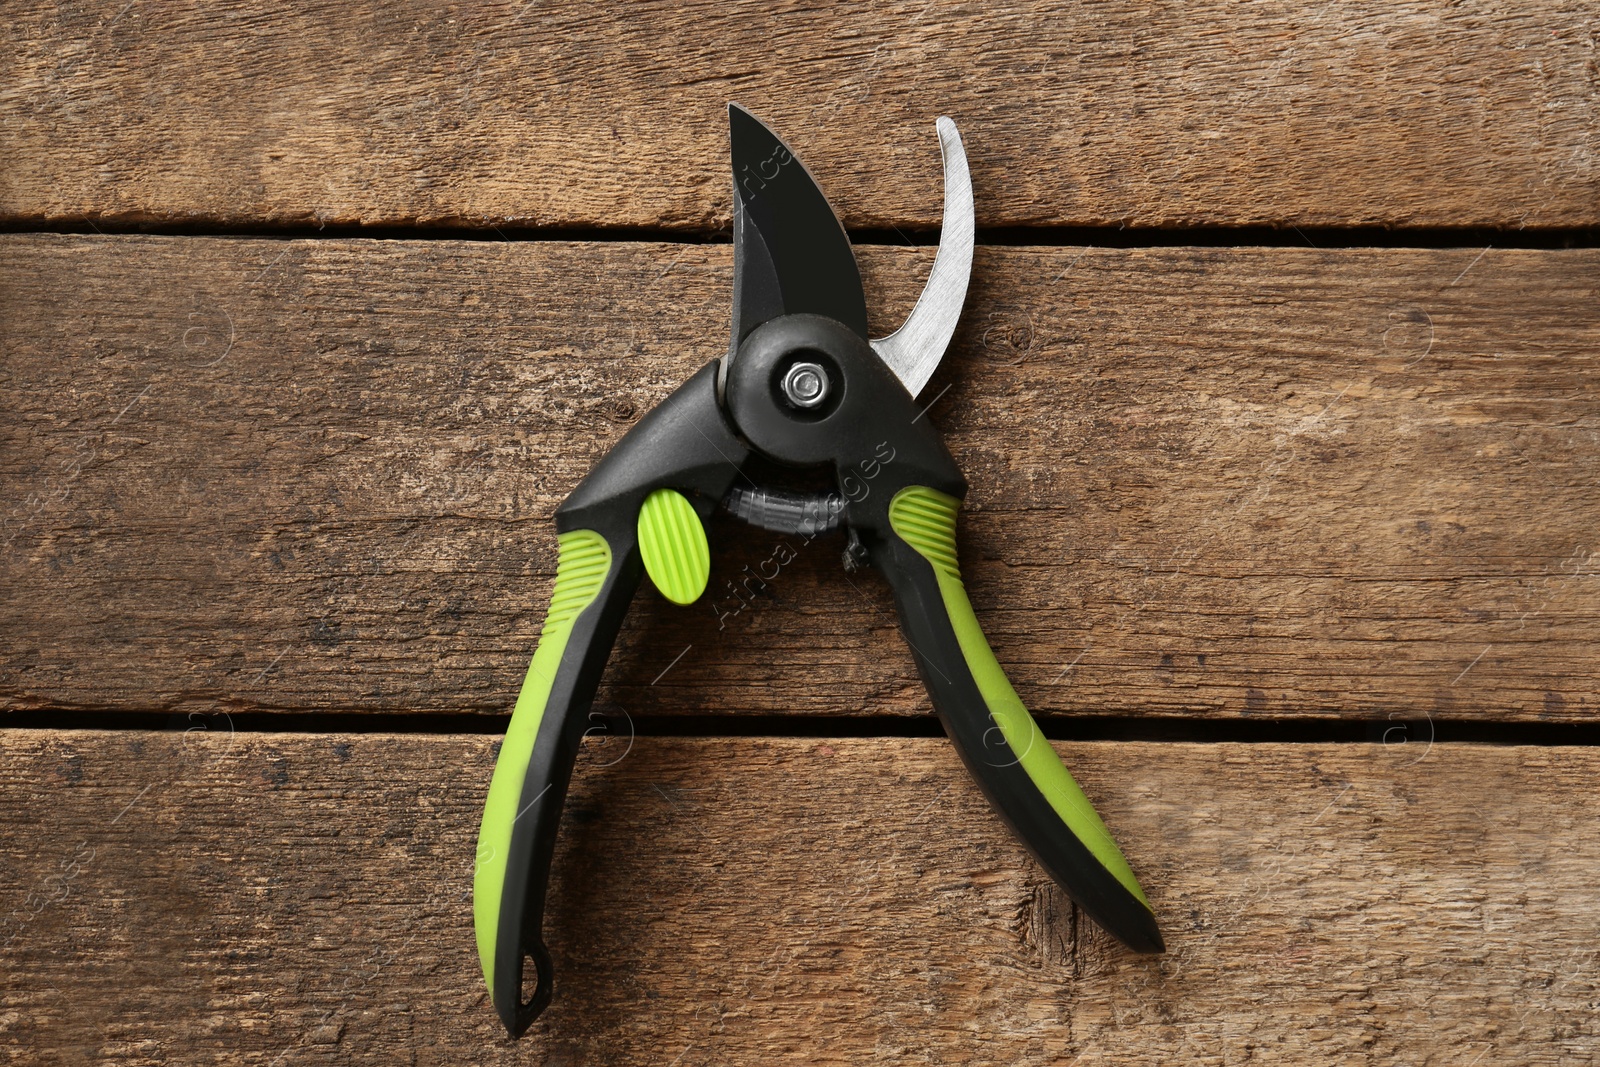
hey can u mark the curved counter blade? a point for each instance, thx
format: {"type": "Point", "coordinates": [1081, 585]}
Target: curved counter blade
{"type": "Point", "coordinates": [914, 350]}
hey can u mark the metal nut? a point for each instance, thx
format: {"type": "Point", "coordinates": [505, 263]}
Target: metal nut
{"type": "Point", "coordinates": [805, 385]}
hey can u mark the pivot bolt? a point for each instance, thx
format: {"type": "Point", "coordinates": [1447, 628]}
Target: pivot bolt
{"type": "Point", "coordinates": [805, 385]}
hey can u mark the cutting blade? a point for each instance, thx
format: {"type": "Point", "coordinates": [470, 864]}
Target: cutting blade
{"type": "Point", "coordinates": [914, 350]}
{"type": "Point", "coordinates": [790, 253]}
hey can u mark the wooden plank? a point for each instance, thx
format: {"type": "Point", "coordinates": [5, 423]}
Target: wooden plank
{"type": "Point", "coordinates": [281, 899]}
{"type": "Point", "coordinates": [317, 475]}
{"type": "Point", "coordinates": [577, 114]}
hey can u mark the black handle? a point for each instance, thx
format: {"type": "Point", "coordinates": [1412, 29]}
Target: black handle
{"type": "Point", "coordinates": [998, 740]}
{"type": "Point", "coordinates": [596, 577]}
{"type": "Point", "coordinates": [683, 443]}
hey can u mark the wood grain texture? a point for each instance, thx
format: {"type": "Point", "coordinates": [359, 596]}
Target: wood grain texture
{"type": "Point", "coordinates": [278, 899]}
{"type": "Point", "coordinates": [578, 114]}
{"type": "Point", "coordinates": [318, 475]}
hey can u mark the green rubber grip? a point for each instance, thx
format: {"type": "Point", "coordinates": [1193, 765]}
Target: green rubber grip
{"type": "Point", "coordinates": [583, 561]}
{"type": "Point", "coordinates": [926, 520]}
{"type": "Point", "coordinates": [672, 543]}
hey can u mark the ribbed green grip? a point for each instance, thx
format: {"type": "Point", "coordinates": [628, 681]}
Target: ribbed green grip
{"type": "Point", "coordinates": [926, 520]}
{"type": "Point", "coordinates": [672, 542]}
{"type": "Point", "coordinates": [582, 563]}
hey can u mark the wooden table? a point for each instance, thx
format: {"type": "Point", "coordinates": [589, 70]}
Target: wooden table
{"type": "Point", "coordinates": [1277, 389]}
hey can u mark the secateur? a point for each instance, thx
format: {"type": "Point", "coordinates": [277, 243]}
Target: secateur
{"type": "Point", "coordinates": [802, 388]}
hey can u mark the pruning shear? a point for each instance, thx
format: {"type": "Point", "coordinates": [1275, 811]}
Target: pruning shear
{"type": "Point", "coordinates": [802, 389]}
